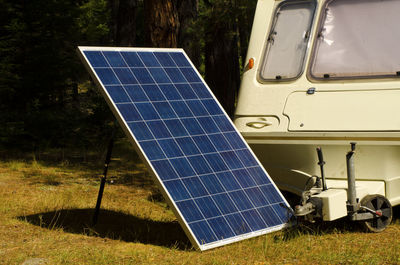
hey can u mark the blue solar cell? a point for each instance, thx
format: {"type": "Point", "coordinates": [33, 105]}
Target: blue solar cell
{"type": "Point", "coordinates": [216, 162]}
{"type": "Point", "coordinates": [177, 190]}
{"type": "Point", "coordinates": [188, 146]}
{"type": "Point", "coordinates": [129, 112]}
{"type": "Point", "coordinates": [164, 59]}
{"type": "Point", "coordinates": [235, 140]}
{"type": "Point", "coordinates": [183, 167]}
{"type": "Point", "coordinates": [117, 94]}
{"type": "Point", "coordinates": [247, 158]}
{"type": "Point", "coordinates": [212, 107]}
{"type": "Point", "coordinates": [211, 183]}
{"type": "Point", "coordinates": [195, 187]}
{"type": "Point", "coordinates": [221, 228]}
{"type": "Point", "coordinates": [228, 180]}
{"type": "Point", "coordinates": [170, 92]}
{"type": "Point", "coordinates": [186, 91]}
{"type": "Point", "coordinates": [136, 93]}
{"type": "Point", "coordinates": [107, 76]}
{"type": "Point", "coordinates": [142, 75]}
{"type": "Point", "coordinates": [125, 76]}
{"type": "Point", "coordinates": [199, 164]}
{"type": "Point", "coordinates": [207, 207]}
{"type": "Point", "coordinates": [203, 232]}
{"type": "Point", "coordinates": [241, 200]}
{"type": "Point", "coordinates": [132, 59]}
{"type": "Point", "coordinates": [254, 220]}
{"type": "Point", "coordinates": [238, 224]}
{"type": "Point", "coordinates": [204, 144]}
{"type": "Point", "coordinates": [271, 194]}
{"type": "Point", "coordinates": [152, 150]}
{"type": "Point", "coordinates": [224, 124]}
{"type": "Point", "coordinates": [159, 130]}
{"type": "Point", "coordinates": [208, 124]}
{"type": "Point", "coordinates": [147, 110]}
{"type": "Point", "coordinates": [258, 175]}
{"type": "Point", "coordinates": [171, 149]}
{"type": "Point", "coordinates": [176, 128]}
{"type": "Point", "coordinates": [96, 59]}
{"type": "Point", "coordinates": [179, 59]}
{"type": "Point", "coordinates": [269, 216]}
{"type": "Point", "coordinates": [159, 75]}
{"type": "Point", "coordinates": [220, 142]}
{"type": "Point", "coordinates": [181, 109]}
{"type": "Point", "coordinates": [201, 91]}
{"type": "Point", "coordinates": [244, 178]}
{"type": "Point", "coordinates": [153, 92]}
{"type": "Point", "coordinates": [164, 170]}
{"type": "Point", "coordinates": [231, 160]}
{"type": "Point", "coordinates": [190, 75]}
{"type": "Point", "coordinates": [190, 211]}
{"type": "Point", "coordinates": [197, 108]}
{"type": "Point", "coordinates": [283, 213]}
{"type": "Point", "coordinates": [214, 181]}
{"type": "Point", "coordinates": [149, 59]}
{"type": "Point", "coordinates": [224, 203]}
{"type": "Point", "coordinates": [256, 197]}
{"type": "Point", "coordinates": [175, 75]}
{"type": "Point", "coordinates": [114, 59]}
{"type": "Point", "coordinates": [164, 110]}
{"type": "Point", "coordinates": [140, 131]}
{"type": "Point", "coordinates": [192, 126]}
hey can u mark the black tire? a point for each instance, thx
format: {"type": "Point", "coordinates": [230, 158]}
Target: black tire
{"type": "Point", "coordinates": [377, 203]}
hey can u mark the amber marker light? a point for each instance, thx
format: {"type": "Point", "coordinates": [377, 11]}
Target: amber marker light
{"type": "Point", "coordinates": [251, 63]}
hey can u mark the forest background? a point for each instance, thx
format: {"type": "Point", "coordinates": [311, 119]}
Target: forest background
{"type": "Point", "coordinates": [47, 100]}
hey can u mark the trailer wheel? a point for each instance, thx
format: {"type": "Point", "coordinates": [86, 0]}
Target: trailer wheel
{"type": "Point", "coordinates": [382, 206]}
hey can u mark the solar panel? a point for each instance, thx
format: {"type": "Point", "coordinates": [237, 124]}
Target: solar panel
{"type": "Point", "coordinates": [212, 181]}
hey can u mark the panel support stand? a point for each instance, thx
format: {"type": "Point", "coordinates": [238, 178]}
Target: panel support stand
{"type": "Point", "coordinates": [103, 178]}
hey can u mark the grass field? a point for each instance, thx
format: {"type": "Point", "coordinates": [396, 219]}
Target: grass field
{"type": "Point", "coordinates": [46, 209]}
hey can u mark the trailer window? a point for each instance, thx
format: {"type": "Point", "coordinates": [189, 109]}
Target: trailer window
{"type": "Point", "coordinates": [358, 39]}
{"type": "Point", "coordinates": [288, 40]}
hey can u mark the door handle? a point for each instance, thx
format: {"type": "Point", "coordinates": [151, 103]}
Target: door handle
{"type": "Point", "coordinates": [258, 124]}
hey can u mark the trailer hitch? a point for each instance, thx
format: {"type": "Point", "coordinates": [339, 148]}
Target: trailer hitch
{"type": "Point", "coordinates": [310, 206]}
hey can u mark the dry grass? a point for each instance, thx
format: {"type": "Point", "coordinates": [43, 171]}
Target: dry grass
{"type": "Point", "coordinates": [46, 210]}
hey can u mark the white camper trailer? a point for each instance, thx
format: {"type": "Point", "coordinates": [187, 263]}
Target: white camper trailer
{"type": "Point", "coordinates": [326, 73]}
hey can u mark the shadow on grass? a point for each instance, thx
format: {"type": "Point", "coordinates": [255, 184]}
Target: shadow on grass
{"type": "Point", "coordinates": [113, 225]}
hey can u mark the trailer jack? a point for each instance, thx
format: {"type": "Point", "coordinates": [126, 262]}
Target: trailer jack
{"type": "Point", "coordinates": [374, 211]}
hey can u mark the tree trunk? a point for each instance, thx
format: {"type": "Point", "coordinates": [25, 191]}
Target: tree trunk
{"type": "Point", "coordinates": [124, 22]}
{"type": "Point", "coordinates": [188, 39]}
{"type": "Point", "coordinates": [161, 23]}
{"type": "Point", "coordinates": [221, 55]}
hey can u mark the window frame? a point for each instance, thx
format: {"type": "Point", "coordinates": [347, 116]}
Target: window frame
{"type": "Point", "coordinates": [266, 46]}
{"type": "Point", "coordinates": [319, 28]}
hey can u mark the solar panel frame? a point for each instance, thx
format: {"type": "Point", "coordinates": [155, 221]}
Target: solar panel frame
{"type": "Point", "coordinates": [195, 75]}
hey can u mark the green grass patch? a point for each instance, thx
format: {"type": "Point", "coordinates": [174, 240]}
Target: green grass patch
{"type": "Point", "coordinates": [47, 206]}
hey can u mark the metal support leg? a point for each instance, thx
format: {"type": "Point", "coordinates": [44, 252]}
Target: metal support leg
{"type": "Point", "coordinates": [352, 203]}
{"type": "Point", "coordinates": [321, 164]}
{"type": "Point", "coordinates": [103, 179]}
